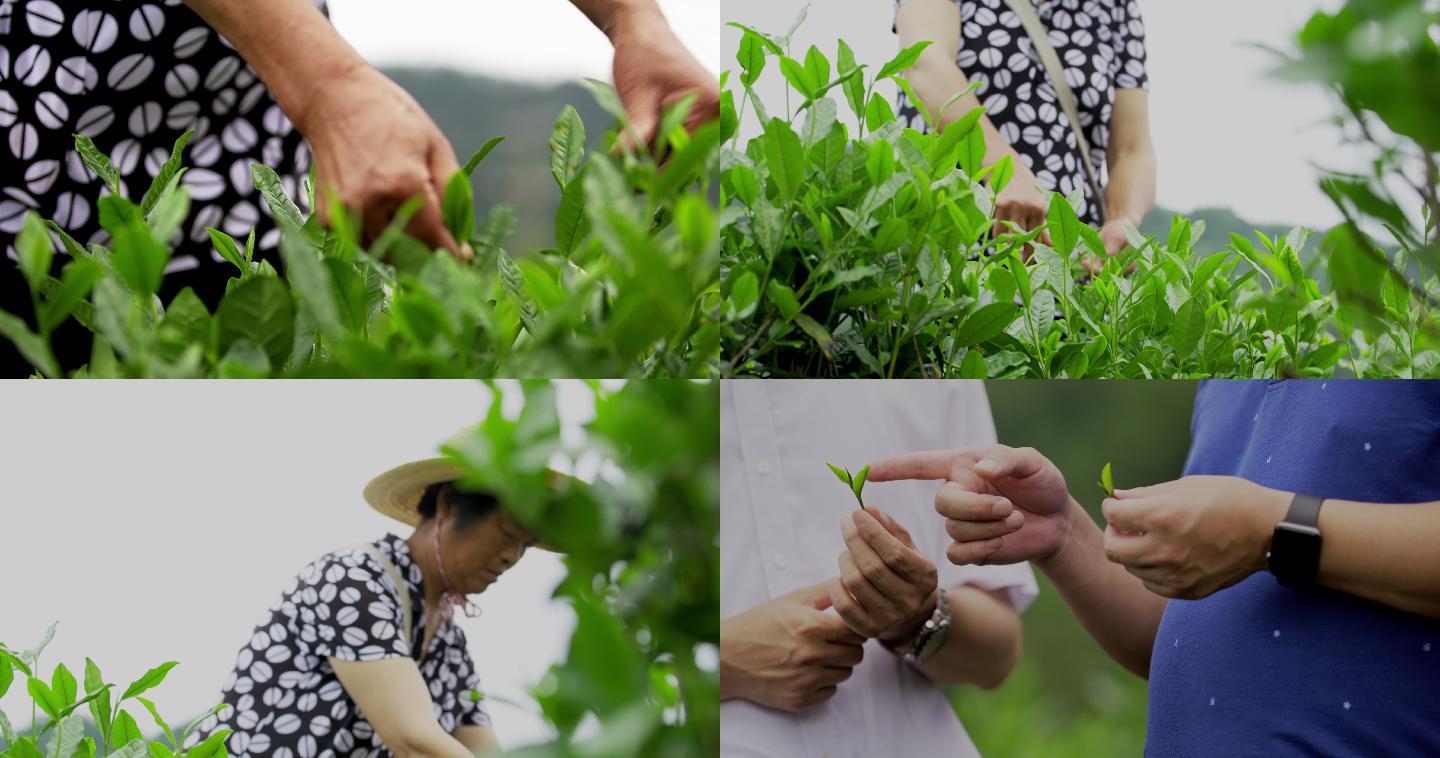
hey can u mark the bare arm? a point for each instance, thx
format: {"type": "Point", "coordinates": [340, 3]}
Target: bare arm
{"type": "Point", "coordinates": [1130, 195]}
{"type": "Point", "coordinates": [1384, 553]}
{"type": "Point", "coordinates": [291, 46]}
{"type": "Point", "coordinates": [1113, 606]}
{"type": "Point", "coordinates": [480, 740]}
{"type": "Point", "coordinates": [396, 702]}
{"type": "Point", "coordinates": [653, 70]}
{"type": "Point", "coordinates": [984, 642]}
{"type": "Point", "coordinates": [935, 77]}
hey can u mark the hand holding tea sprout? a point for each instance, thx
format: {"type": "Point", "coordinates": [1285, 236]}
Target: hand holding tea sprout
{"type": "Point", "coordinates": [376, 151]}
{"type": "Point", "coordinates": [1194, 536]}
{"type": "Point", "coordinates": [886, 588]}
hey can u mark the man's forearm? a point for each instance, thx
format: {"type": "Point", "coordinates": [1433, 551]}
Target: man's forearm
{"type": "Point", "coordinates": [984, 641]}
{"type": "Point", "coordinates": [291, 46]}
{"type": "Point", "coordinates": [1112, 605]}
{"type": "Point", "coordinates": [611, 16]}
{"type": "Point", "coordinates": [1384, 553]}
{"type": "Point", "coordinates": [1130, 194]}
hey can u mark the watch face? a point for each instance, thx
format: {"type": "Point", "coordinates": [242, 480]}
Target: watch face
{"type": "Point", "coordinates": [1295, 553]}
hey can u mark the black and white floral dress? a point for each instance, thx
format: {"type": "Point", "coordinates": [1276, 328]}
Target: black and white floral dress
{"type": "Point", "coordinates": [134, 76]}
{"type": "Point", "coordinates": [283, 697]}
{"type": "Point", "coordinates": [1102, 45]}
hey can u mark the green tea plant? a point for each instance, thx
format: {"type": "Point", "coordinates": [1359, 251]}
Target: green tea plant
{"type": "Point", "coordinates": [1106, 484]}
{"type": "Point", "coordinates": [61, 699]}
{"type": "Point", "coordinates": [642, 555]}
{"type": "Point", "coordinates": [855, 482]}
{"type": "Point", "coordinates": [620, 293]}
{"type": "Point", "coordinates": [873, 251]}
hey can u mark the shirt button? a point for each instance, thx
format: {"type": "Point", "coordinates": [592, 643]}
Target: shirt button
{"type": "Point", "coordinates": [780, 560]}
{"type": "Point", "coordinates": [763, 467]}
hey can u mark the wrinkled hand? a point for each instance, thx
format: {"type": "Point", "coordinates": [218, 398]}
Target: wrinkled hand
{"type": "Point", "coordinates": [1113, 236]}
{"type": "Point", "coordinates": [653, 71]}
{"type": "Point", "coordinates": [375, 148]}
{"type": "Point", "coordinates": [886, 588]}
{"type": "Point", "coordinates": [1023, 203]}
{"type": "Point", "coordinates": [1195, 536]}
{"type": "Point", "coordinates": [1001, 504]}
{"type": "Point", "coordinates": [788, 653]}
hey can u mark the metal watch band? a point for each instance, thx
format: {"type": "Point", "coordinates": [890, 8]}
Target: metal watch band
{"type": "Point", "coordinates": [932, 633]}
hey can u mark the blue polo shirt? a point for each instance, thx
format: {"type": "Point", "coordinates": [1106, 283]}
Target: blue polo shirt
{"type": "Point", "coordinates": [1265, 670]}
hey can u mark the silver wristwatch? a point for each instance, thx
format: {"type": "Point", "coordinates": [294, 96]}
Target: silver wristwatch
{"type": "Point", "coordinates": [932, 634]}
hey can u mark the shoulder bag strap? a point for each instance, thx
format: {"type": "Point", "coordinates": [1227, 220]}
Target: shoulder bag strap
{"type": "Point", "coordinates": [1040, 38]}
{"type": "Point", "coordinates": [400, 585]}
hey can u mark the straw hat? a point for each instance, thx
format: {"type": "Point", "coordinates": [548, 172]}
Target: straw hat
{"type": "Point", "coordinates": [397, 492]}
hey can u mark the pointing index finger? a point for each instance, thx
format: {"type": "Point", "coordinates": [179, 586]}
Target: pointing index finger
{"type": "Point", "coordinates": [929, 464]}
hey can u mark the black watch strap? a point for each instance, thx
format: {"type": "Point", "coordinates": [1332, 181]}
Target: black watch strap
{"type": "Point", "coordinates": [1304, 510]}
{"type": "Point", "coordinates": [1295, 546]}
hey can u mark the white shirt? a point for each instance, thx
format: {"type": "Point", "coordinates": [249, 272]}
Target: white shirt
{"type": "Point", "coordinates": [780, 512]}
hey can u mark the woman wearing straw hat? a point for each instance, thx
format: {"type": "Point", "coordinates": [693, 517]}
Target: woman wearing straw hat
{"type": "Point", "coordinates": [1065, 90]}
{"type": "Point", "coordinates": [360, 654]}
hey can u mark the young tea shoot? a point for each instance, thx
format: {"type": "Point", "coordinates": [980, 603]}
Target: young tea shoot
{"type": "Point", "coordinates": [1106, 484]}
{"type": "Point", "coordinates": [855, 482]}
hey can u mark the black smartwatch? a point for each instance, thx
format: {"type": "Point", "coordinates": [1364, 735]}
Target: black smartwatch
{"type": "Point", "coordinates": [1295, 547]}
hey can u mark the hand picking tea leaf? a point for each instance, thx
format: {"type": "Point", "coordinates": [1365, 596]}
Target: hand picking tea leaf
{"type": "Point", "coordinates": [856, 482]}
{"type": "Point", "coordinates": [1105, 484]}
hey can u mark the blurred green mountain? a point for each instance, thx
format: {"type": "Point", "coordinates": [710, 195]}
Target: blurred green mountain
{"type": "Point", "coordinates": [1220, 223]}
{"type": "Point", "coordinates": [471, 108]}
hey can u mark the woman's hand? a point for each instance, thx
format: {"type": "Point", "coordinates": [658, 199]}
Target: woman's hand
{"type": "Point", "coordinates": [375, 148]}
{"type": "Point", "coordinates": [886, 587]}
{"type": "Point", "coordinates": [1022, 202]}
{"type": "Point", "coordinates": [653, 71]}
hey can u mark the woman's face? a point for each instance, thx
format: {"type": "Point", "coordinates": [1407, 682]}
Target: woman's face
{"type": "Point", "coordinates": [478, 553]}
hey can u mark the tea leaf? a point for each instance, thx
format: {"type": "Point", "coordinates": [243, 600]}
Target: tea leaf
{"type": "Point", "coordinates": [31, 346]}
{"type": "Point", "coordinates": [904, 60]}
{"type": "Point", "coordinates": [155, 714]}
{"type": "Point", "coordinates": [987, 323]}
{"type": "Point", "coordinates": [858, 483]}
{"type": "Point", "coordinates": [1105, 483]}
{"type": "Point", "coordinates": [35, 251]}
{"type": "Point", "coordinates": [6, 731]}
{"type": "Point", "coordinates": [840, 473]}
{"type": "Point", "coordinates": [514, 282]}
{"type": "Point", "coordinates": [97, 162]}
{"type": "Point", "coordinates": [1064, 225]}
{"type": "Point", "coordinates": [212, 747]}
{"type": "Point", "coordinates": [66, 738]}
{"type": "Point", "coordinates": [100, 705]}
{"type": "Point", "coordinates": [261, 311]}
{"type": "Point", "coordinates": [62, 685]}
{"type": "Point", "coordinates": [786, 159]}
{"type": "Point", "coordinates": [45, 697]}
{"type": "Point", "coordinates": [459, 208]}
{"type": "Point", "coordinates": [479, 156]}
{"type": "Point", "coordinates": [567, 147]}
{"type": "Point", "coordinates": [126, 732]}
{"type": "Point", "coordinates": [149, 680]}
{"type": "Point", "coordinates": [168, 171]}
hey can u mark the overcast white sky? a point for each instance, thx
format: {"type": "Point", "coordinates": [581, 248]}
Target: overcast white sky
{"type": "Point", "coordinates": [518, 39]}
{"type": "Point", "coordinates": [158, 520]}
{"type": "Point", "coordinates": [1226, 135]}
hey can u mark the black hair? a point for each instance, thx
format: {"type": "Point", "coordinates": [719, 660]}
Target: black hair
{"type": "Point", "coordinates": [466, 505]}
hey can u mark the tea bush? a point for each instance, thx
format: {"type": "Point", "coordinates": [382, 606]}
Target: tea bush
{"type": "Point", "coordinates": [61, 700]}
{"type": "Point", "coordinates": [642, 556]}
{"type": "Point", "coordinates": [643, 560]}
{"type": "Point", "coordinates": [618, 295]}
{"type": "Point", "coordinates": [874, 252]}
